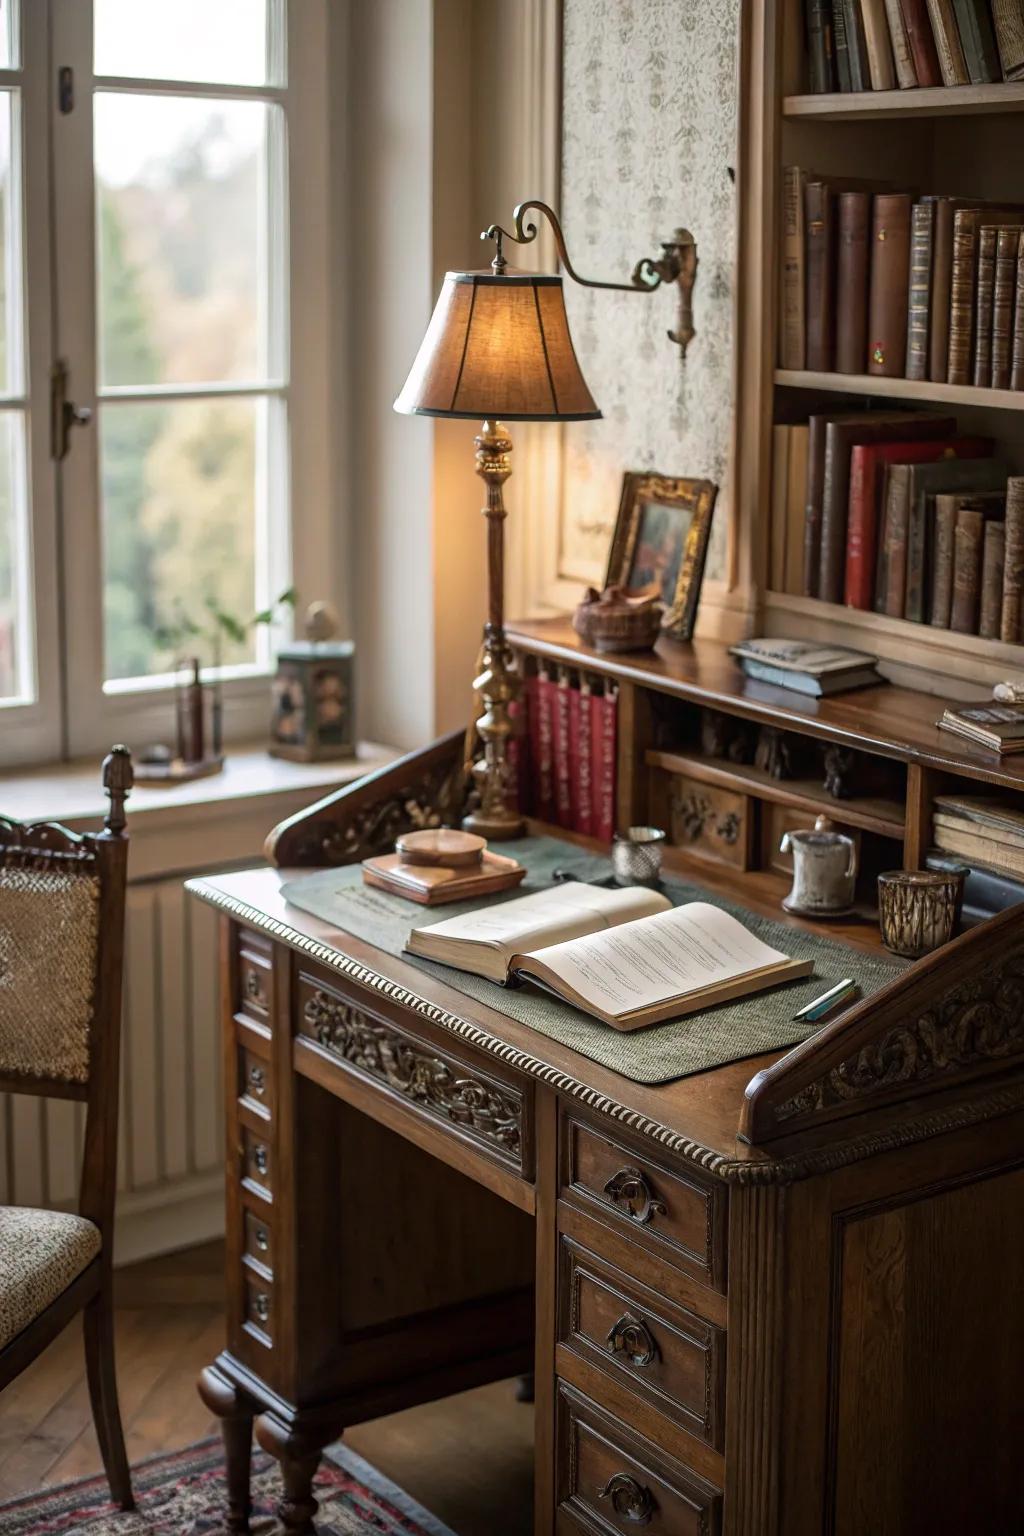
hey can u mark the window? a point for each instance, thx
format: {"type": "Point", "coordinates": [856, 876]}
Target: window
{"type": "Point", "coordinates": [162, 267]}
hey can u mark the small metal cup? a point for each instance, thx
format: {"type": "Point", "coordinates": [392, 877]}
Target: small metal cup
{"type": "Point", "coordinates": [636, 855]}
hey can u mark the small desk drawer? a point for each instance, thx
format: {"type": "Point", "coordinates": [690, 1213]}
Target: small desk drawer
{"type": "Point", "coordinates": [667, 1354]}
{"type": "Point", "coordinates": [674, 1214]}
{"type": "Point", "coordinates": [255, 977]}
{"type": "Point", "coordinates": [257, 1160]}
{"type": "Point", "coordinates": [611, 1480]}
{"type": "Point", "coordinates": [259, 1308]}
{"type": "Point", "coordinates": [259, 1240]}
{"type": "Point", "coordinates": [254, 1082]}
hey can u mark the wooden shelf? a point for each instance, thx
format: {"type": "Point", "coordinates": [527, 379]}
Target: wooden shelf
{"type": "Point", "coordinates": [900, 389]}
{"type": "Point", "coordinates": [880, 815]}
{"type": "Point", "coordinates": [937, 101]}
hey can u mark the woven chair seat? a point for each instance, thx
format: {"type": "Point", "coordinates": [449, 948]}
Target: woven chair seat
{"type": "Point", "coordinates": [41, 1253]}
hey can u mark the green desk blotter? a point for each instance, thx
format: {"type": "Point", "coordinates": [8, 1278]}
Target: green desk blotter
{"type": "Point", "coordinates": [661, 1052]}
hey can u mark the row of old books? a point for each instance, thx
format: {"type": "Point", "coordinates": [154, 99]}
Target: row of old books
{"type": "Point", "coordinates": [988, 833]}
{"type": "Point", "coordinates": [879, 45]}
{"type": "Point", "coordinates": [875, 282]}
{"type": "Point", "coordinates": [900, 515]}
{"type": "Point", "coordinates": [565, 759]}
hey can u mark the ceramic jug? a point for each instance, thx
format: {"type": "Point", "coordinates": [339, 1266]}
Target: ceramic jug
{"type": "Point", "coordinates": [824, 870]}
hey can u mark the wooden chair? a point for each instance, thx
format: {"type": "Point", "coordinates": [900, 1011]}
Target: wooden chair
{"type": "Point", "coordinates": [62, 902]}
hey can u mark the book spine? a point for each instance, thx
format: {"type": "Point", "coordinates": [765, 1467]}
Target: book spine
{"type": "Point", "coordinates": [842, 47]}
{"type": "Point", "coordinates": [812, 507]}
{"type": "Point", "coordinates": [545, 779]}
{"type": "Point", "coordinates": [942, 570]}
{"type": "Point", "coordinates": [993, 550]}
{"type": "Point", "coordinates": [922, 231]}
{"type": "Point", "coordinates": [894, 553]}
{"type": "Point", "coordinates": [903, 57]}
{"type": "Point", "coordinates": [1008, 20]}
{"type": "Point", "coordinates": [818, 222]}
{"type": "Point", "coordinates": [780, 496]}
{"type": "Point", "coordinates": [914, 592]}
{"type": "Point", "coordinates": [799, 437]}
{"type": "Point", "coordinates": [922, 41]}
{"type": "Point", "coordinates": [1013, 562]}
{"type": "Point", "coordinates": [574, 756]}
{"type": "Point", "coordinates": [585, 791]}
{"type": "Point", "coordinates": [984, 295]}
{"type": "Point", "coordinates": [963, 617]}
{"type": "Point", "coordinates": [1017, 356]}
{"type": "Point", "coordinates": [853, 217]}
{"type": "Point", "coordinates": [947, 42]}
{"type": "Point", "coordinates": [793, 302]}
{"type": "Point", "coordinates": [974, 23]}
{"type": "Point", "coordinates": [861, 533]}
{"type": "Point", "coordinates": [820, 46]}
{"type": "Point", "coordinates": [604, 707]}
{"type": "Point", "coordinates": [890, 273]}
{"type": "Point", "coordinates": [942, 277]}
{"type": "Point", "coordinates": [961, 294]}
{"type": "Point", "coordinates": [563, 798]}
{"type": "Point", "coordinates": [876, 37]}
{"type": "Point", "coordinates": [835, 505]}
{"type": "Point", "coordinates": [856, 43]}
{"type": "Point", "coordinates": [1007, 241]}
{"type": "Point", "coordinates": [517, 753]}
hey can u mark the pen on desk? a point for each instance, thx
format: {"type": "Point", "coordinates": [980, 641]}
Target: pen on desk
{"type": "Point", "coordinates": [843, 992]}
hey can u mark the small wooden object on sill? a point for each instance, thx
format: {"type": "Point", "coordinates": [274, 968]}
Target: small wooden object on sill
{"type": "Point", "coordinates": [440, 865]}
{"type": "Point", "coordinates": [175, 770]}
{"type": "Point", "coordinates": [613, 621]}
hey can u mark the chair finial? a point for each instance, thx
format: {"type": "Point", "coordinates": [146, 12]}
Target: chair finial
{"type": "Point", "coordinates": [118, 779]}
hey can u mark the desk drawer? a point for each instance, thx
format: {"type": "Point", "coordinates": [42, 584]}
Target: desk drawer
{"type": "Point", "coordinates": [667, 1354]}
{"type": "Point", "coordinates": [611, 1480]}
{"type": "Point", "coordinates": [259, 1240]}
{"type": "Point", "coordinates": [434, 1082]}
{"type": "Point", "coordinates": [671, 1212]}
{"type": "Point", "coordinates": [254, 977]}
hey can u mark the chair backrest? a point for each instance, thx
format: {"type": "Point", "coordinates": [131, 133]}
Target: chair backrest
{"type": "Point", "coordinates": [62, 904]}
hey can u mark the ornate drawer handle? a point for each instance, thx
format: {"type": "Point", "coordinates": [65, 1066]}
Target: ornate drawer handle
{"type": "Point", "coordinates": [261, 1305]}
{"type": "Point", "coordinates": [262, 1238]}
{"type": "Point", "coordinates": [631, 1336]}
{"type": "Point", "coordinates": [254, 988]}
{"type": "Point", "coordinates": [261, 1158]}
{"type": "Point", "coordinates": [630, 1499]}
{"type": "Point", "coordinates": [631, 1188]}
{"type": "Point", "coordinates": [258, 1081]}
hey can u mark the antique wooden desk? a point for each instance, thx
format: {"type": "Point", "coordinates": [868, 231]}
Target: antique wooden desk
{"type": "Point", "coordinates": [782, 1296]}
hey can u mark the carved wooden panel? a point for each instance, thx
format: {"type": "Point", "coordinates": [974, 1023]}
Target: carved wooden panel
{"type": "Point", "coordinates": [431, 798]}
{"type": "Point", "coordinates": [434, 1082]}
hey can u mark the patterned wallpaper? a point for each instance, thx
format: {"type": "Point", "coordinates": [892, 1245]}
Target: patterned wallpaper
{"type": "Point", "coordinates": [649, 131]}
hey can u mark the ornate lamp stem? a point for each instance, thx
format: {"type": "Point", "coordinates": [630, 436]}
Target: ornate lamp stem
{"type": "Point", "coordinates": [497, 684]}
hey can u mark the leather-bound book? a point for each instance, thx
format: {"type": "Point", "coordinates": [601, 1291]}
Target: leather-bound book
{"type": "Point", "coordinates": [879, 47]}
{"type": "Point", "coordinates": [984, 294]}
{"type": "Point", "coordinates": [842, 47]}
{"type": "Point", "coordinates": [1010, 627]}
{"type": "Point", "coordinates": [792, 299]}
{"type": "Point", "coordinates": [1017, 354]}
{"type": "Point", "coordinates": [942, 562]}
{"type": "Point", "coordinates": [967, 222]}
{"type": "Point", "coordinates": [978, 39]}
{"type": "Point", "coordinates": [1008, 20]}
{"type": "Point", "coordinates": [799, 447]}
{"type": "Point", "coordinates": [892, 572]}
{"type": "Point", "coordinates": [925, 482]}
{"type": "Point", "coordinates": [841, 434]}
{"type": "Point", "coordinates": [856, 45]}
{"type": "Point", "coordinates": [922, 236]}
{"type": "Point", "coordinates": [947, 42]}
{"type": "Point", "coordinates": [820, 46]}
{"type": "Point", "coordinates": [813, 503]}
{"type": "Point", "coordinates": [853, 219]}
{"type": "Point", "coordinates": [1007, 244]}
{"type": "Point", "coordinates": [560, 749]}
{"type": "Point", "coordinates": [942, 277]}
{"type": "Point", "coordinates": [780, 497]}
{"type": "Point", "coordinates": [889, 284]}
{"type": "Point", "coordinates": [819, 206]}
{"type": "Point", "coordinates": [993, 547]}
{"type": "Point", "coordinates": [902, 56]}
{"type": "Point", "coordinates": [922, 41]}
{"type": "Point", "coordinates": [967, 536]}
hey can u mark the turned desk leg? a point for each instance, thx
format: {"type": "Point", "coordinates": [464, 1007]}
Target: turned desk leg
{"type": "Point", "coordinates": [297, 1449]}
{"type": "Point", "coordinates": [235, 1412]}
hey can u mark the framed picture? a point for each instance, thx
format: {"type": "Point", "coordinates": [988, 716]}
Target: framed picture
{"type": "Point", "coordinates": [661, 542]}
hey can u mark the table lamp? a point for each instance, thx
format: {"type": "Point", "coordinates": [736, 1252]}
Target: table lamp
{"type": "Point", "coordinates": [498, 349]}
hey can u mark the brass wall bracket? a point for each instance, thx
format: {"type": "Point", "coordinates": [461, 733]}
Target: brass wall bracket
{"type": "Point", "coordinates": [676, 264]}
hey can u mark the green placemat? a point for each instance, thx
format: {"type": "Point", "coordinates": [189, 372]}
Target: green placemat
{"type": "Point", "coordinates": [657, 1054]}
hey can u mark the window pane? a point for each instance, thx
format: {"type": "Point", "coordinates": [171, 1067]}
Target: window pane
{"type": "Point", "coordinates": [15, 603]}
{"type": "Point", "coordinates": [183, 236]}
{"type": "Point", "coordinates": [223, 42]}
{"type": "Point", "coordinates": [182, 487]}
{"type": "Point", "coordinates": [10, 250]}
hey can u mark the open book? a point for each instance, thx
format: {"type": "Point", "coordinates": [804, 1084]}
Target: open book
{"type": "Point", "coordinates": [628, 957]}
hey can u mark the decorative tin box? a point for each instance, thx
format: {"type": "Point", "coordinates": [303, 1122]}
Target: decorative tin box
{"type": "Point", "coordinates": [314, 715]}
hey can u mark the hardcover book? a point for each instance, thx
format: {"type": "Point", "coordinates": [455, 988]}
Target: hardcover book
{"type": "Point", "coordinates": [1010, 623]}
{"type": "Point", "coordinates": [820, 46]}
{"type": "Point", "coordinates": [889, 284]}
{"type": "Point", "coordinates": [993, 547]}
{"type": "Point", "coordinates": [856, 45]}
{"type": "Point", "coordinates": [942, 563]}
{"type": "Point", "coordinates": [793, 298]}
{"type": "Point", "coordinates": [854, 220]}
{"type": "Point", "coordinates": [963, 614]}
{"type": "Point", "coordinates": [978, 39]}
{"type": "Point", "coordinates": [925, 480]}
{"type": "Point", "coordinates": [1008, 240]}
{"type": "Point", "coordinates": [879, 48]}
{"type": "Point", "coordinates": [947, 42]}
{"type": "Point", "coordinates": [1008, 20]}
{"type": "Point", "coordinates": [967, 222]}
{"type": "Point", "coordinates": [922, 238]}
{"type": "Point", "coordinates": [984, 295]}
{"type": "Point", "coordinates": [902, 54]}
{"type": "Point", "coordinates": [922, 41]}
{"type": "Point", "coordinates": [1017, 353]}
{"type": "Point", "coordinates": [819, 205]}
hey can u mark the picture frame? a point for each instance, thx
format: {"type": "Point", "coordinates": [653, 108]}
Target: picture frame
{"type": "Point", "coordinates": [660, 543]}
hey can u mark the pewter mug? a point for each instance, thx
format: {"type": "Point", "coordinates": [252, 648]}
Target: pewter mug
{"type": "Point", "coordinates": [824, 869]}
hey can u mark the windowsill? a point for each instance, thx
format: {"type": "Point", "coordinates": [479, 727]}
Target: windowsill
{"type": "Point", "coordinates": [71, 792]}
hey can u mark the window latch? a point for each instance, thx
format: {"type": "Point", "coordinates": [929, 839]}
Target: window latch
{"type": "Point", "coordinates": [64, 413]}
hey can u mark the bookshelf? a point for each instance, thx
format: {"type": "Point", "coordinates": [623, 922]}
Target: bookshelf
{"type": "Point", "coordinates": [957, 141]}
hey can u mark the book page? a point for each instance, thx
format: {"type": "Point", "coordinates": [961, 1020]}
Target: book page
{"type": "Point", "coordinates": [546, 917]}
{"type": "Point", "coordinates": [640, 964]}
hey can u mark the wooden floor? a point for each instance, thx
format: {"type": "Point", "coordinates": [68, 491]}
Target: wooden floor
{"type": "Point", "coordinates": [468, 1459]}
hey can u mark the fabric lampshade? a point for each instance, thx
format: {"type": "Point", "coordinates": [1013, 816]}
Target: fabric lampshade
{"type": "Point", "coordinates": [498, 348]}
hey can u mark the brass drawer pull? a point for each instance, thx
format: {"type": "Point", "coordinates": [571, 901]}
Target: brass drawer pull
{"type": "Point", "coordinates": [261, 1158]}
{"type": "Point", "coordinates": [261, 1305]}
{"type": "Point", "coordinates": [258, 1081]}
{"type": "Point", "coordinates": [631, 1189]}
{"type": "Point", "coordinates": [254, 988]}
{"type": "Point", "coordinates": [262, 1239]}
{"type": "Point", "coordinates": [630, 1499]}
{"type": "Point", "coordinates": [631, 1336]}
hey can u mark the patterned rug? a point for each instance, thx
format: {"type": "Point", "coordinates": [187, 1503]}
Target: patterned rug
{"type": "Point", "coordinates": [183, 1494]}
